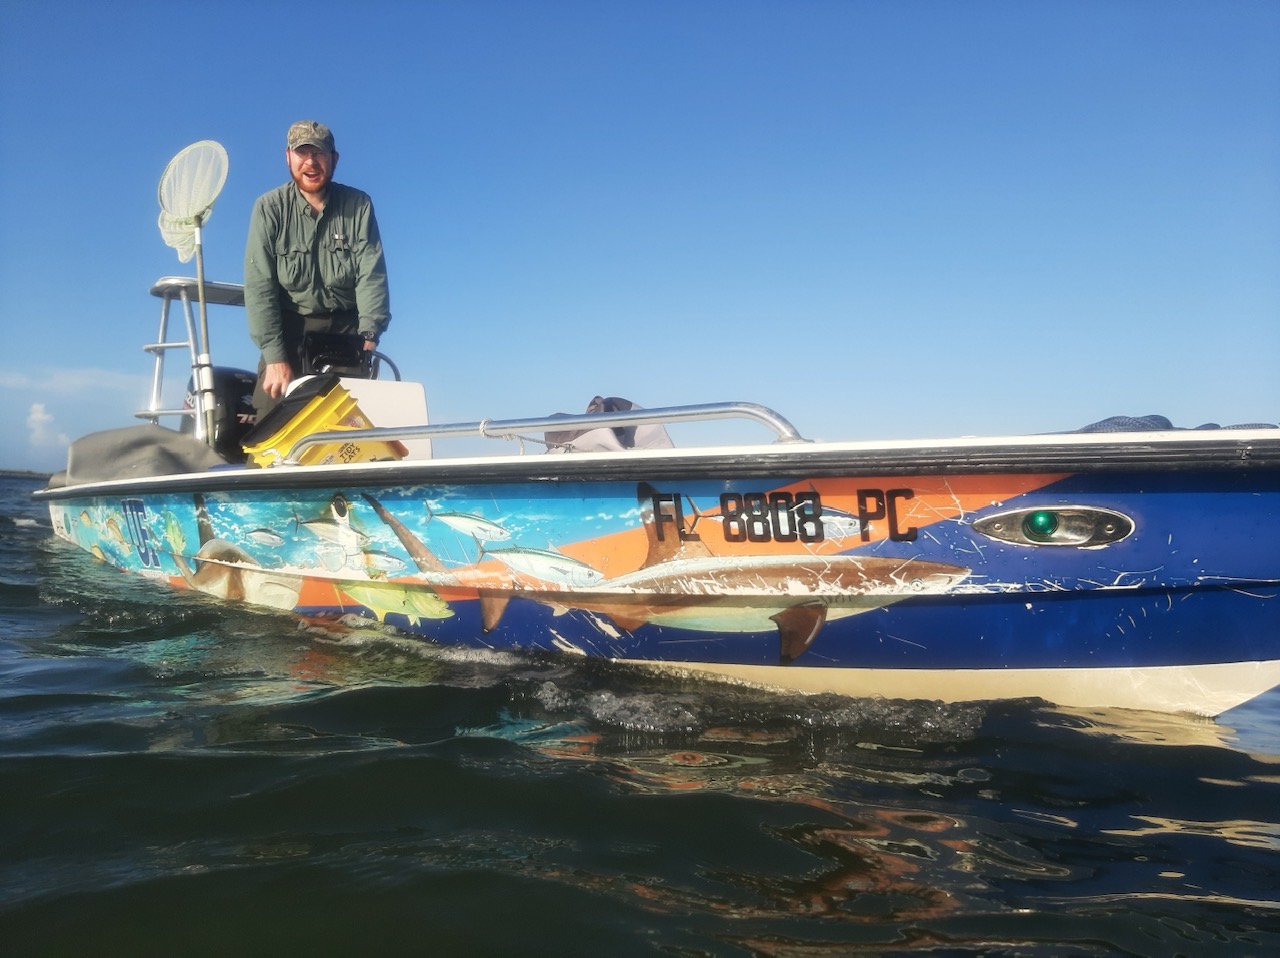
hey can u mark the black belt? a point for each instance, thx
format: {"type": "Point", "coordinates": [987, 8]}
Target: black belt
{"type": "Point", "coordinates": [342, 315]}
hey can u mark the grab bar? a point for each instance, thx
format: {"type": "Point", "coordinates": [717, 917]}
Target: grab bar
{"type": "Point", "coordinates": [502, 428]}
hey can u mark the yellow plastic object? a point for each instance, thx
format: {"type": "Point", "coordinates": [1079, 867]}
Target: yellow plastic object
{"type": "Point", "coordinates": [333, 411]}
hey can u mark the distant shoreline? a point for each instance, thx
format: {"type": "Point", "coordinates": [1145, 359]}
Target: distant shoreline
{"type": "Point", "coordinates": [23, 474]}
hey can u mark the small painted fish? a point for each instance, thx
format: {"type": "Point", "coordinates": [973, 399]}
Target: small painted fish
{"type": "Point", "coordinates": [265, 537]}
{"type": "Point", "coordinates": [384, 563]}
{"type": "Point", "coordinates": [470, 524]}
{"type": "Point", "coordinates": [549, 566]}
{"type": "Point", "coordinates": [837, 524]}
{"type": "Point", "coordinates": [173, 534]}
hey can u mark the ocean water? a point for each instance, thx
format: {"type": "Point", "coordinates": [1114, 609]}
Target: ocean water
{"type": "Point", "coordinates": [182, 778]}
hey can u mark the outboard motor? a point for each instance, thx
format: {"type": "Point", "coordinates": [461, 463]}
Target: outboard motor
{"type": "Point", "coordinates": [233, 412]}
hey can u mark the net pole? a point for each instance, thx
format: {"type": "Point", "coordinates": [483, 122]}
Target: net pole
{"type": "Point", "coordinates": [204, 361]}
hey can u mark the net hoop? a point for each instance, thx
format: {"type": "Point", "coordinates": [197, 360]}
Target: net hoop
{"type": "Point", "coordinates": [188, 188]}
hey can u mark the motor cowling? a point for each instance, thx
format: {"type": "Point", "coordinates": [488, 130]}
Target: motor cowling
{"type": "Point", "coordinates": [233, 412]}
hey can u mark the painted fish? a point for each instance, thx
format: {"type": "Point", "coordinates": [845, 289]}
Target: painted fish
{"type": "Point", "coordinates": [116, 534]}
{"type": "Point", "coordinates": [470, 524]}
{"type": "Point", "coordinates": [838, 524]}
{"type": "Point", "coordinates": [384, 598]}
{"type": "Point", "coordinates": [383, 563]}
{"type": "Point", "coordinates": [337, 527]}
{"type": "Point", "coordinates": [173, 535]}
{"type": "Point", "coordinates": [548, 565]}
{"type": "Point", "coordinates": [265, 537]}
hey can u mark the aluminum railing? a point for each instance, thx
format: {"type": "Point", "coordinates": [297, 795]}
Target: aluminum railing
{"type": "Point", "coordinates": [511, 428]}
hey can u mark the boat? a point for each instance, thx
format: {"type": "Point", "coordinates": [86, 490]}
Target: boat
{"type": "Point", "coordinates": [1137, 568]}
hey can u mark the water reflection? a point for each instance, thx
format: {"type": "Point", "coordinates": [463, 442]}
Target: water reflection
{"type": "Point", "coordinates": [1157, 728]}
{"type": "Point", "coordinates": [1249, 834]}
{"type": "Point", "coordinates": [995, 817]}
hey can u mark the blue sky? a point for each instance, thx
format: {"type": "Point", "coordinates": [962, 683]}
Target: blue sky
{"type": "Point", "coordinates": [884, 219]}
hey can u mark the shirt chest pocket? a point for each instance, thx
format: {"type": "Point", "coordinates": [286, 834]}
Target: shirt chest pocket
{"type": "Point", "coordinates": [338, 261]}
{"type": "Point", "coordinates": [294, 265]}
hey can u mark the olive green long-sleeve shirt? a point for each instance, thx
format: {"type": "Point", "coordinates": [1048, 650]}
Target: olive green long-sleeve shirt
{"type": "Point", "coordinates": [300, 262]}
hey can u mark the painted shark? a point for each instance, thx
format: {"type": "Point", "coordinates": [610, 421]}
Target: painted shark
{"type": "Point", "coordinates": [221, 568]}
{"type": "Point", "coordinates": [683, 585]}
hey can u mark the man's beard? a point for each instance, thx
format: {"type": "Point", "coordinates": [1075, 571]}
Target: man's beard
{"type": "Point", "coordinates": [317, 187]}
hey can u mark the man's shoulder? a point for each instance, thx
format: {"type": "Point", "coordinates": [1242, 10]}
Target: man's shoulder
{"type": "Point", "coordinates": [348, 194]}
{"type": "Point", "coordinates": [274, 199]}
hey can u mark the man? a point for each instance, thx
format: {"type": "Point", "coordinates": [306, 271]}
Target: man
{"type": "Point", "coordinates": [313, 263]}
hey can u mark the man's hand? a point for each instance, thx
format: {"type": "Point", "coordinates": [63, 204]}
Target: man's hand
{"type": "Point", "coordinates": [275, 379]}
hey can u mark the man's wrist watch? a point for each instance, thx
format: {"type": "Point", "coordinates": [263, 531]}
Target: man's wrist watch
{"type": "Point", "coordinates": [369, 337]}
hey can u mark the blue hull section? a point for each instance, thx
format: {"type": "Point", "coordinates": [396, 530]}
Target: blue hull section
{"type": "Point", "coordinates": [1095, 630]}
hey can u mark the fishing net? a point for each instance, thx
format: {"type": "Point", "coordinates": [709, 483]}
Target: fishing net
{"type": "Point", "coordinates": [191, 182]}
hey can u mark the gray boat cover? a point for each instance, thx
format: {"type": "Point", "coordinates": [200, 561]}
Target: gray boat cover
{"type": "Point", "coordinates": [604, 439]}
{"type": "Point", "coordinates": [1154, 423]}
{"type": "Point", "coordinates": [134, 452]}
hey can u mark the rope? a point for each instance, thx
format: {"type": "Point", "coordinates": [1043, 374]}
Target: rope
{"type": "Point", "coordinates": [483, 429]}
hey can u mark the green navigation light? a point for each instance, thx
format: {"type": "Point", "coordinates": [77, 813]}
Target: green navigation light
{"type": "Point", "coordinates": [1040, 525]}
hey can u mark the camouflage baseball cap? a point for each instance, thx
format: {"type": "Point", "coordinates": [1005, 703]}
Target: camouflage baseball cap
{"type": "Point", "coordinates": [310, 133]}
